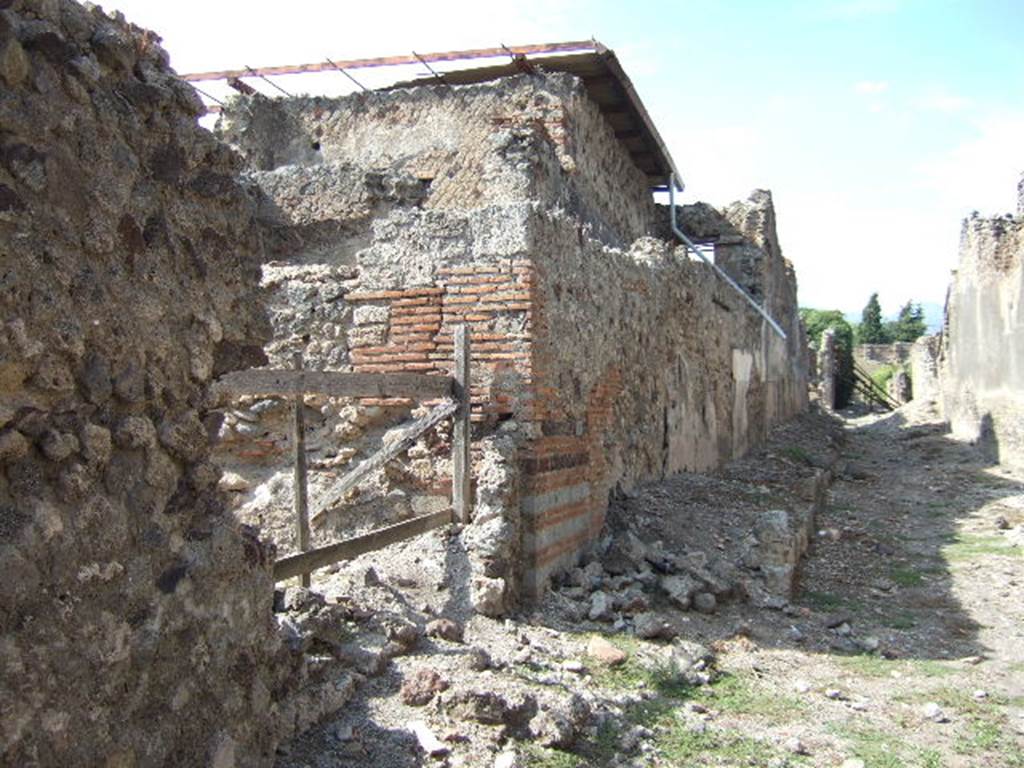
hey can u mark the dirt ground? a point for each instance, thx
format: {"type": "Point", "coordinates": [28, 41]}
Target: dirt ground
{"type": "Point", "coordinates": [903, 644]}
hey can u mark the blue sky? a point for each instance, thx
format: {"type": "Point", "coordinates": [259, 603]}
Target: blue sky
{"type": "Point", "coordinates": [877, 124]}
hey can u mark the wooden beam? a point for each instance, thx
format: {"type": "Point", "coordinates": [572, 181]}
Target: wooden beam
{"type": "Point", "coordinates": [402, 443]}
{"type": "Point", "coordinates": [299, 480]}
{"type": "Point", "coordinates": [387, 61]}
{"type": "Point", "coordinates": [462, 502]}
{"type": "Point", "coordinates": [268, 382]}
{"type": "Point", "coordinates": [304, 562]}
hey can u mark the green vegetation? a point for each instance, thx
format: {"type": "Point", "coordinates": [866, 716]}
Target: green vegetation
{"type": "Point", "coordinates": [797, 453]}
{"type": "Point", "coordinates": [967, 546]}
{"type": "Point", "coordinates": [816, 321]}
{"type": "Point", "coordinates": [870, 330]}
{"type": "Point", "coordinates": [908, 326]}
{"type": "Point", "coordinates": [881, 749]}
{"type": "Point", "coordinates": [869, 665]}
{"type": "Point", "coordinates": [828, 601]}
{"type": "Point", "coordinates": [906, 576]}
{"type": "Point", "coordinates": [882, 375]}
{"type": "Point", "coordinates": [986, 721]}
{"type": "Point", "coordinates": [539, 757]}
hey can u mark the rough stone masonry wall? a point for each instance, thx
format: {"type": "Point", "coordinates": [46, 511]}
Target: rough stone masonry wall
{"type": "Point", "coordinates": [645, 364]}
{"type": "Point", "coordinates": [135, 617]}
{"type": "Point", "coordinates": [520, 239]}
{"type": "Point", "coordinates": [873, 357]}
{"type": "Point", "coordinates": [982, 364]}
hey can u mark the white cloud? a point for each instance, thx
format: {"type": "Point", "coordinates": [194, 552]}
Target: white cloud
{"type": "Point", "coordinates": [942, 100]}
{"type": "Point", "coordinates": [981, 173]}
{"type": "Point", "coordinates": [871, 87]}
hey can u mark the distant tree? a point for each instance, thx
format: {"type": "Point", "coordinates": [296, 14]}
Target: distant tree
{"type": "Point", "coordinates": [871, 330]}
{"type": "Point", "coordinates": [816, 321]}
{"type": "Point", "coordinates": [909, 325]}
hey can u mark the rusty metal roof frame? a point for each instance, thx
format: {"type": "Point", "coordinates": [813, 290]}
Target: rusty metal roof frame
{"type": "Point", "coordinates": [596, 66]}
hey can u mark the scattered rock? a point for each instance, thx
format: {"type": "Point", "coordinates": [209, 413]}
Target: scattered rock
{"type": "Point", "coordinates": [602, 651]}
{"type": "Point", "coordinates": [420, 687]}
{"type": "Point", "coordinates": [795, 746]}
{"type": "Point", "coordinates": [446, 629]}
{"type": "Point", "coordinates": [479, 659]}
{"type": "Point", "coordinates": [491, 708]}
{"type": "Point", "coordinates": [652, 626]}
{"type": "Point", "coordinates": [508, 759]}
{"type": "Point", "coordinates": [869, 644]}
{"type": "Point", "coordinates": [680, 588]}
{"type": "Point", "coordinates": [428, 742]}
{"type": "Point", "coordinates": [932, 711]}
{"type": "Point", "coordinates": [601, 607]}
{"type": "Point", "coordinates": [552, 729]}
{"type": "Point", "coordinates": [852, 762]}
{"type": "Point", "coordinates": [705, 602]}
{"type": "Point", "coordinates": [405, 633]}
{"type": "Point", "coordinates": [1002, 523]}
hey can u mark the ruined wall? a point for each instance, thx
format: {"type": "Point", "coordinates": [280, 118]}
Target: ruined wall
{"type": "Point", "coordinates": [924, 368]}
{"type": "Point", "coordinates": [645, 364]}
{"type": "Point", "coordinates": [135, 617]}
{"type": "Point", "coordinates": [470, 146]}
{"type": "Point", "coordinates": [873, 357]}
{"type": "Point", "coordinates": [982, 363]}
{"type": "Point", "coordinates": [594, 365]}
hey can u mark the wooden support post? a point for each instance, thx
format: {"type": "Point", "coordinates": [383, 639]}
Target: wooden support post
{"type": "Point", "coordinates": [461, 461]}
{"type": "Point", "coordinates": [299, 446]}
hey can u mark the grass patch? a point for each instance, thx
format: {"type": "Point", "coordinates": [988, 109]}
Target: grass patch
{"type": "Point", "coordinates": [901, 620]}
{"type": "Point", "coordinates": [868, 665]}
{"type": "Point", "coordinates": [906, 576]}
{"type": "Point", "coordinates": [683, 746]}
{"type": "Point", "coordinates": [822, 601]}
{"type": "Point", "coordinates": [796, 453]}
{"type": "Point", "coordinates": [738, 695]}
{"type": "Point", "coordinates": [678, 743]}
{"type": "Point", "coordinates": [968, 546]}
{"type": "Point", "coordinates": [539, 757]}
{"type": "Point", "coordinates": [877, 748]}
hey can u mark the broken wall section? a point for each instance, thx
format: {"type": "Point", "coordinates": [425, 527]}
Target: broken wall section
{"type": "Point", "coordinates": [136, 617]}
{"type": "Point", "coordinates": [982, 364]}
{"type": "Point", "coordinates": [595, 365]}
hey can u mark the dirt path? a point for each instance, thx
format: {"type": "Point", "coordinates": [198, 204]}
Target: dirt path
{"type": "Point", "coordinates": [904, 644]}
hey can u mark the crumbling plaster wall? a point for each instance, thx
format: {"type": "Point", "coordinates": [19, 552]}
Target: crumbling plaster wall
{"type": "Point", "coordinates": [601, 357]}
{"type": "Point", "coordinates": [982, 363]}
{"type": "Point", "coordinates": [135, 616]}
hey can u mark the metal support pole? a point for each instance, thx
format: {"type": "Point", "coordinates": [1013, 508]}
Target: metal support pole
{"type": "Point", "coordinates": [299, 447]}
{"type": "Point", "coordinates": [461, 462]}
{"type": "Point", "coordinates": [718, 270]}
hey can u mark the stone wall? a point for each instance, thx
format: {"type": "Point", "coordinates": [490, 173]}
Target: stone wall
{"type": "Point", "coordinates": [874, 357]}
{"type": "Point", "coordinates": [135, 617]}
{"type": "Point", "coordinates": [982, 364]}
{"type": "Point", "coordinates": [602, 358]}
{"type": "Point", "coordinates": [924, 368]}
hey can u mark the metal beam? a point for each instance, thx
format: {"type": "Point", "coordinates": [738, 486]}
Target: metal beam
{"type": "Point", "coordinates": [387, 61]}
